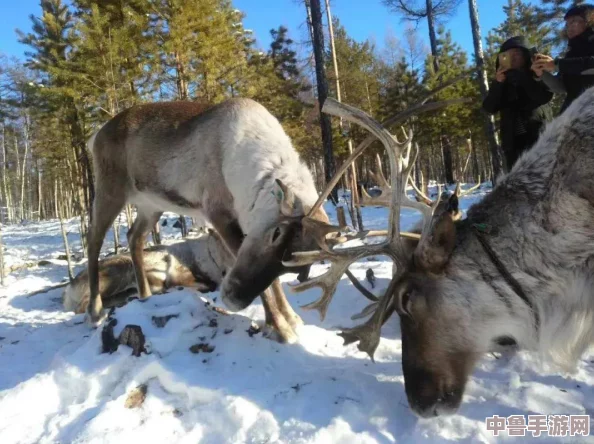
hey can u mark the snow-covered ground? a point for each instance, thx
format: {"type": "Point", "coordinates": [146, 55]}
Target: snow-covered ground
{"type": "Point", "coordinates": [57, 387]}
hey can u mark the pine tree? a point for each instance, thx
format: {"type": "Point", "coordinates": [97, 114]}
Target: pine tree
{"type": "Point", "coordinates": [356, 65]}
{"type": "Point", "coordinates": [277, 83]}
{"type": "Point", "coordinates": [403, 88]}
{"type": "Point", "coordinates": [112, 54]}
{"type": "Point", "coordinates": [284, 57]}
{"type": "Point", "coordinates": [322, 86]}
{"type": "Point", "coordinates": [521, 19]}
{"type": "Point", "coordinates": [433, 11]}
{"type": "Point", "coordinates": [448, 128]}
{"type": "Point", "coordinates": [204, 48]}
{"type": "Point", "coordinates": [51, 42]}
{"type": "Point", "coordinates": [550, 14]}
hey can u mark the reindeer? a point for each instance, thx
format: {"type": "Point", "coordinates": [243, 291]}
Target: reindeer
{"type": "Point", "coordinates": [518, 270]}
{"type": "Point", "coordinates": [200, 263]}
{"type": "Point", "coordinates": [233, 164]}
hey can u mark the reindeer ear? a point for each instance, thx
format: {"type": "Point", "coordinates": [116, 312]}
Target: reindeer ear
{"type": "Point", "coordinates": [285, 197]}
{"type": "Point", "coordinates": [433, 253]}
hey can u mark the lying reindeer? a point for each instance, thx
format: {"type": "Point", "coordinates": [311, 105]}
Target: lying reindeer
{"type": "Point", "coordinates": [519, 269]}
{"type": "Point", "coordinates": [199, 263]}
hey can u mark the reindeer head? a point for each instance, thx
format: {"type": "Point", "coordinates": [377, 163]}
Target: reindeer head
{"type": "Point", "coordinates": [260, 258]}
{"type": "Point", "coordinates": [436, 362]}
{"type": "Point", "coordinates": [437, 350]}
{"type": "Point", "coordinates": [436, 359]}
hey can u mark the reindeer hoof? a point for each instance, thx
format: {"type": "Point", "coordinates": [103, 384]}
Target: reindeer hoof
{"type": "Point", "coordinates": [95, 321]}
{"type": "Point", "coordinates": [282, 336]}
{"type": "Point", "coordinates": [144, 297]}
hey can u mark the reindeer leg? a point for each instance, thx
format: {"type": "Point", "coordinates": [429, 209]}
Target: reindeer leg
{"type": "Point", "coordinates": [105, 210]}
{"type": "Point", "coordinates": [281, 330]}
{"type": "Point", "coordinates": [284, 306]}
{"type": "Point", "coordinates": [136, 237]}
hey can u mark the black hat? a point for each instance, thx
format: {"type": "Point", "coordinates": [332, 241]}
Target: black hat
{"type": "Point", "coordinates": [580, 10]}
{"type": "Point", "coordinates": [515, 42]}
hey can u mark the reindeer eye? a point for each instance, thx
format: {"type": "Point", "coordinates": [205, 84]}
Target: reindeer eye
{"type": "Point", "coordinates": [406, 300]}
{"type": "Point", "coordinates": [405, 303]}
{"type": "Point", "coordinates": [277, 233]}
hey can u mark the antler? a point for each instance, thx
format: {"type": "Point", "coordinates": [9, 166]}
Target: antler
{"type": "Point", "coordinates": [402, 116]}
{"type": "Point", "coordinates": [400, 168]}
{"type": "Point", "coordinates": [385, 197]}
{"type": "Point", "coordinates": [368, 334]}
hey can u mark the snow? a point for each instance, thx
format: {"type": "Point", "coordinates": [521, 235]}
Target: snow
{"type": "Point", "coordinates": [57, 386]}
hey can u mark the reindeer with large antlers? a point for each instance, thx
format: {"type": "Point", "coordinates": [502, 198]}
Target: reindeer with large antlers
{"type": "Point", "coordinates": [519, 269]}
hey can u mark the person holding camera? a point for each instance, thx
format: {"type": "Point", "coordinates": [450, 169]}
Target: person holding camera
{"type": "Point", "coordinates": [520, 99]}
{"type": "Point", "coordinates": [575, 71]}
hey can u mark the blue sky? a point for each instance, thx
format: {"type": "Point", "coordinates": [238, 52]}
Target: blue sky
{"type": "Point", "coordinates": [362, 19]}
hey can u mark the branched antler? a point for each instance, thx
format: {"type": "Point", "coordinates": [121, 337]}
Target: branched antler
{"type": "Point", "coordinates": [400, 169]}
{"type": "Point", "coordinates": [401, 117]}
{"type": "Point", "coordinates": [393, 196]}
{"type": "Point", "coordinates": [386, 190]}
{"type": "Point", "coordinates": [368, 333]}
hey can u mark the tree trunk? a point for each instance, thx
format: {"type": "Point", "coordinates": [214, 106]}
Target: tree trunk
{"type": "Point", "coordinates": [26, 134]}
{"type": "Point", "coordinates": [129, 216]}
{"type": "Point", "coordinates": [432, 35]}
{"type": "Point", "coordinates": [488, 120]}
{"type": "Point", "coordinates": [157, 234]}
{"type": "Point", "coordinates": [116, 236]}
{"type": "Point", "coordinates": [64, 234]}
{"type": "Point", "coordinates": [39, 196]}
{"type": "Point", "coordinates": [80, 149]}
{"type": "Point", "coordinates": [1, 256]}
{"type": "Point", "coordinates": [84, 229]}
{"type": "Point", "coordinates": [184, 226]}
{"type": "Point", "coordinates": [475, 165]}
{"type": "Point", "coordinates": [18, 177]}
{"type": "Point", "coordinates": [341, 218]}
{"type": "Point", "coordinates": [354, 207]}
{"type": "Point", "coordinates": [322, 84]}
{"type": "Point", "coordinates": [182, 87]}
{"type": "Point", "coordinates": [446, 148]}
{"type": "Point", "coordinates": [4, 176]}
{"type": "Point", "coordinates": [310, 30]}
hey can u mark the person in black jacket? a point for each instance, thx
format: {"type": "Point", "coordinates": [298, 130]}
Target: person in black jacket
{"type": "Point", "coordinates": [521, 100]}
{"type": "Point", "coordinates": [575, 71]}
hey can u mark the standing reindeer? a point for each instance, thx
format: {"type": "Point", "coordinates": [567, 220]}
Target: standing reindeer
{"type": "Point", "coordinates": [518, 270]}
{"type": "Point", "coordinates": [231, 163]}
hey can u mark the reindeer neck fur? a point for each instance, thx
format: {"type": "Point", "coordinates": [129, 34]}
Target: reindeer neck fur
{"type": "Point", "coordinates": [258, 153]}
{"type": "Point", "coordinates": [549, 186]}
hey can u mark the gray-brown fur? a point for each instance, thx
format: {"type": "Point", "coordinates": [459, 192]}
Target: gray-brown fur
{"type": "Point", "coordinates": [198, 263]}
{"type": "Point", "coordinates": [541, 216]}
